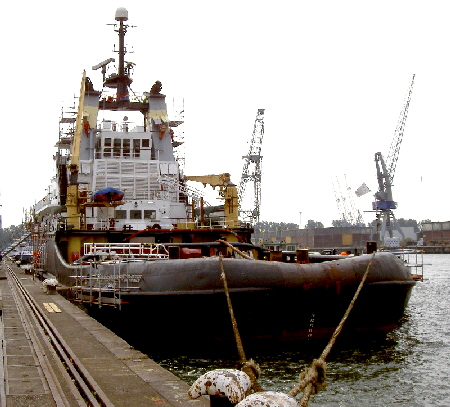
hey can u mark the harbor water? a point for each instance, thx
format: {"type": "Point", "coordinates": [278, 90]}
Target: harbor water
{"type": "Point", "coordinates": [410, 366]}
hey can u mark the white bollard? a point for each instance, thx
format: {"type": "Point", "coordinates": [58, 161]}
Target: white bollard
{"type": "Point", "coordinates": [268, 399]}
{"type": "Point", "coordinates": [50, 285]}
{"type": "Point", "coordinates": [223, 383]}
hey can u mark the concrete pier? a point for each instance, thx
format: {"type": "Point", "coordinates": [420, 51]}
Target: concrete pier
{"type": "Point", "coordinates": [28, 371]}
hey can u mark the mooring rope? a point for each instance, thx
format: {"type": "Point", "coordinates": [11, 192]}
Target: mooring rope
{"type": "Point", "coordinates": [312, 379]}
{"type": "Point", "coordinates": [248, 366]}
{"type": "Point", "coordinates": [245, 256]}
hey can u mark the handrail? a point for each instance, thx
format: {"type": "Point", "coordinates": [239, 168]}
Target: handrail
{"type": "Point", "coordinates": [127, 250]}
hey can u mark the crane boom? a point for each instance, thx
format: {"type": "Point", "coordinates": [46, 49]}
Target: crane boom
{"type": "Point", "coordinates": [75, 150]}
{"type": "Point", "coordinates": [398, 135]}
{"type": "Point", "coordinates": [73, 214]}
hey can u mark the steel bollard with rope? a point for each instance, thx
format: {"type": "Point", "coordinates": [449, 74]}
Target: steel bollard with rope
{"type": "Point", "coordinates": [226, 387]}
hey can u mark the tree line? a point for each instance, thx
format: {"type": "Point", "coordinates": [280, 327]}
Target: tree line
{"type": "Point", "coordinates": [264, 226]}
{"type": "Point", "coordinates": [8, 235]}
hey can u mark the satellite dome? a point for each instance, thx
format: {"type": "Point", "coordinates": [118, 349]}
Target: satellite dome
{"type": "Point", "coordinates": [121, 14]}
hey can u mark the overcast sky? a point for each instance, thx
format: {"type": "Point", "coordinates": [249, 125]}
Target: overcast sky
{"type": "Point", "coordinates": [332, 77]}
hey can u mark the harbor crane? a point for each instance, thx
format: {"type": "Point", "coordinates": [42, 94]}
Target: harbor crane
{"type": "Point", "coordinates": [350, 215]}
{"type": "Point", "coordinates": [252, 170]}
{"type": "Point", "coordinates": [384, 203]}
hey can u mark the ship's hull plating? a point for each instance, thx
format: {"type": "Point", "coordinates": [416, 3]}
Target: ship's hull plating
{"type": "Point", "coordinates": [169, 299]}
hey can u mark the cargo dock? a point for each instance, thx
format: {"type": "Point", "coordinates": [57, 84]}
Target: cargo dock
{"type": "Point", "coordinates": [53, 353]}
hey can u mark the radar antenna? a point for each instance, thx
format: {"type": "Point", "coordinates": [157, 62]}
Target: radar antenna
{"type": "Point", "coordinates": [103, 66]}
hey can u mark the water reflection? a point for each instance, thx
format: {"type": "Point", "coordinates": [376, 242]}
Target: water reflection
{"type": "Point", "coordinates": [407, 367]}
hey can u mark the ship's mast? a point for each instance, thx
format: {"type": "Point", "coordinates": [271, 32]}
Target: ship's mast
{"type": "Point", "coordinates": [121, 80]}
{"type": "Point", "coordinates": [122, 85]}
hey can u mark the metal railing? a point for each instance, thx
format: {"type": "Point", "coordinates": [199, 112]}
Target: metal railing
{"type": "Point", "coordinates": [120, 251]}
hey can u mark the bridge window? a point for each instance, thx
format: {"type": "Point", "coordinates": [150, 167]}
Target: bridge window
{"type": "Point", "coordinates": [107, 147]}
{"type": "Point", "coordinates": [136, 147]}
{"type": "Point", "coordinates": [126, 147]}
{"type": "Point", "coordinates": [135, 214]}
{"type": "Point", "coordinates": [117, 147]}
{"type": "Point", "coordinates": [149, 214]}
{"type": "Point", "coordinates": [121, 214]}
{"type": "Point", "coordinates": [98, 147]}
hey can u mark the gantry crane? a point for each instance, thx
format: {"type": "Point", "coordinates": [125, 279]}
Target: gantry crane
{"type": "Point", "coordinates": [252, 170]}
{"type": "Point", "coordinates": [384, 203]}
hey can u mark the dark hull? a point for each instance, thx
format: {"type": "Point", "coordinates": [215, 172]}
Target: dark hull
{"type": "Point", "coordinates": [266, 316]}
{"type": "Point", "coordinates": [174, 299]}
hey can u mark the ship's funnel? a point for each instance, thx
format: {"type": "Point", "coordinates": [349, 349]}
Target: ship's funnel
{"type": "Point", "coordinates": [121, 14]}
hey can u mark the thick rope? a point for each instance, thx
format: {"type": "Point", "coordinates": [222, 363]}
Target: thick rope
{"type": "Point", "coordinates": [312, 379]}
{"type": "Point", "coordinates": [245, 256]}
{"type": "Point", "coordinates": [248, 366]}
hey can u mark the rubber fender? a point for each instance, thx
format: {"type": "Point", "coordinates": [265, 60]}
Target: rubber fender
{"type": "Point", "coordinates": [227, 383]}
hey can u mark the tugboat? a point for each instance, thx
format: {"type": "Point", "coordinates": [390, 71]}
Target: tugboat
{"type": "Point", "coordinates": [120, 229]}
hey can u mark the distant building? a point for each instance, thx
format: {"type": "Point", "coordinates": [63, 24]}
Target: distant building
{"type": "Point", "coordinates": [436, 233]}
{"type": "Point", "coordinates": [349, 237]}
